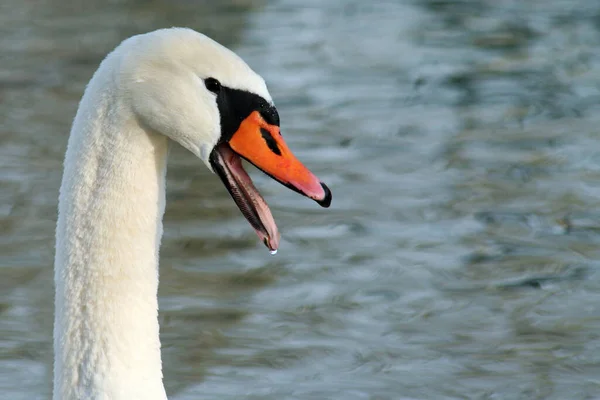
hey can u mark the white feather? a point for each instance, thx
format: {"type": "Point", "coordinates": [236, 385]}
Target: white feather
{"type": "Point", "coordinates": [112, 199]}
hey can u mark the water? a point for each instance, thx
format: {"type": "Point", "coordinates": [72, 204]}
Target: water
{"type": "Point", "coordinates": [458, 259]}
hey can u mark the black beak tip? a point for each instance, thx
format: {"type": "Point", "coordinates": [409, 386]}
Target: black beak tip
{"type": "Point", "coordinates": [326, 202]}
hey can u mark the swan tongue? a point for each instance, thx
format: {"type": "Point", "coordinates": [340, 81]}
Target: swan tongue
{"type": "Point", "coordinates": [228, 165]}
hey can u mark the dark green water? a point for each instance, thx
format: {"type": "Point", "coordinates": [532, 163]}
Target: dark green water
{"type": "Point", "coordinates": [458, 260]}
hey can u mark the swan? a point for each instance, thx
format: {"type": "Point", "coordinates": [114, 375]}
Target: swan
{"type": "Point", "coordinates": [171, 84]}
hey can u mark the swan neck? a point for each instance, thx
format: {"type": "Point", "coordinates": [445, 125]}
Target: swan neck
{"type": "Point", "coordinates": [112, 197]}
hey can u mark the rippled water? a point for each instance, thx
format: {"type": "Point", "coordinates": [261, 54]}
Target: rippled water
{"type": "Point", "coordinates": [458, 260]}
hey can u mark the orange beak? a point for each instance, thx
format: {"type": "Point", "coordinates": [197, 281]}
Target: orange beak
{"type": "Point", "coordinates": [262, 144]}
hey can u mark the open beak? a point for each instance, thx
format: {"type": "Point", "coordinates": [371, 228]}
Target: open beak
{"type": "Point", "coordinates": [262, 145]}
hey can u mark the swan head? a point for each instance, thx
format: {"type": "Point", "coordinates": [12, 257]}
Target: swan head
{"type": "Point", "coordinates": [200, 94]}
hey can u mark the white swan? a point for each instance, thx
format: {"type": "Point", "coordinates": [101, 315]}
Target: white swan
{"type": "Point", "coordinates": [169, 84]}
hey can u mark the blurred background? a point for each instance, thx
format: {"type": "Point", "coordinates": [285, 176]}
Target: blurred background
{"type": "Point", "coordinates": [458, 259]}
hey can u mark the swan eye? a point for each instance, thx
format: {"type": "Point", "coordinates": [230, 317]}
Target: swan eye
{"type": "Point", "coordinates": [212, 84]}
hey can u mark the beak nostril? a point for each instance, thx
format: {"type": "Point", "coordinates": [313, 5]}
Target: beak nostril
{"type": "Point", "coordinates": [270, 141]}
